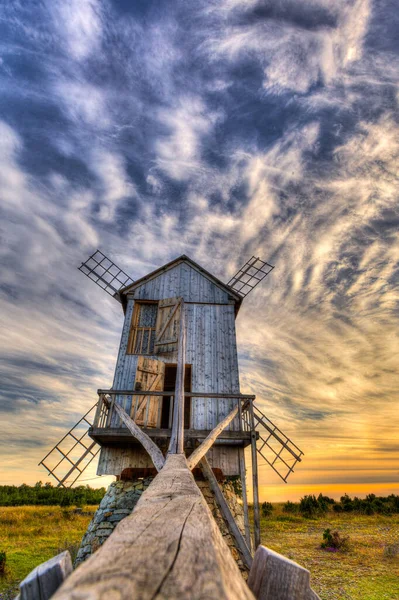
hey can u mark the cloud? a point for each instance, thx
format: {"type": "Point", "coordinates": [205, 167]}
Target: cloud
{"type": "Point", "coordinates": [220, 131]}
{"type": "Point", "coordinates": [79, 22]}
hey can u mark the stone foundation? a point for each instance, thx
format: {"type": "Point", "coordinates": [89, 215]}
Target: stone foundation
{"type": "Point", "coordinates": [121, 498]}
{"type": "Point", "coordinates": [118, 502]}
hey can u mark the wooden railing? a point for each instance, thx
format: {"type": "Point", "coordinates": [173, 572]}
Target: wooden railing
{"type": "Point", "coordinates": [105, 415]}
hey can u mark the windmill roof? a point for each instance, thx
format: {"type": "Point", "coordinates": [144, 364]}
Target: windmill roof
{"type": "Point", "coordinates": [173, 263]}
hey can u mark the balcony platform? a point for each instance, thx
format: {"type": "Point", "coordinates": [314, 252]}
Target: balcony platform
{"type": "Point", "coordinates": [118, 435]}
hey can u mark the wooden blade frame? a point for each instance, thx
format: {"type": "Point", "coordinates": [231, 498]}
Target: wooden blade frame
{"type": "Point", "coordinates": [248, 277]}
{"type": "Point", "coordinates": [105, 273]}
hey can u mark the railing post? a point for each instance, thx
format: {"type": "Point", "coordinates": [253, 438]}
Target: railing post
{"type": "Point", "coordinates": [98, 411]}
{"type": "Point", "coordinates": [110, 411]}
{"type": "Point", "coordinates": [254, 477]}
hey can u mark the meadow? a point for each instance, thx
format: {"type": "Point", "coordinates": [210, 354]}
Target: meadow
{"type": "Point", "coordinates": [367, 570]}
{"type": "Point", "coordinates": [32, 534]}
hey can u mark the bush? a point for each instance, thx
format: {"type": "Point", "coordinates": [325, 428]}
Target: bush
{"type": "Point", "coordinates": [310, 506]}
{"type": "Point", "coordinates": [333, 541]}
{"type": "Point", "coordinates": [3, 560]}
{"type": "Point", "coordinates": [267, 509]}
{"type": "Point", "coordinates": [391, 550]}
{"type": "Point", "coordinates": [290, 507]}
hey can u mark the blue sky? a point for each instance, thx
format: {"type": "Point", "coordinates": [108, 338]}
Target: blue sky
{"type": "Point", "coordinates": [219, 130]}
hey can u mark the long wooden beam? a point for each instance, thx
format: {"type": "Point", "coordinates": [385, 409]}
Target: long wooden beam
{"type": "Point", "coordinates": [152, 449]}
{"type": "Point", "coordinates": [169, 547]}
{"type": "Point", "coordinates": [199, 452]}
{"type": "Point", "coordinates": [176, 444]}
{"type": "Point", "coordinates": [226, 514]}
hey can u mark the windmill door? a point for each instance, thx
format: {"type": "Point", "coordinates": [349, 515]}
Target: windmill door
{"type": "Point", "coordinates": [146, 410]}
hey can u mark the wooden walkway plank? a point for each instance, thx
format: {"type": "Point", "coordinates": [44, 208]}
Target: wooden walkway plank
{"type": "Point", "coordinates": [169, 547]}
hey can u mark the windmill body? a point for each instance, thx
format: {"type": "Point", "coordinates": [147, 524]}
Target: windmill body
{"type": "Point", "coordinates": [176, 386]}
{"type": "Point", "coordinates": [147, 360]}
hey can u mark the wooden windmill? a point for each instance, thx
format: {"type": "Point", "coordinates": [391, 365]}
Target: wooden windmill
{"type": "Point", "coordinates": [176, 385]}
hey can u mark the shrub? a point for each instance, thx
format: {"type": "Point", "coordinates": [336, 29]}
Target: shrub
{"type": "Point", "coordinates": [267, 508]}
{"type": "Point", "coordinates": [334, 541]}
{"type": "Point", "coordinates": [391, 550]}
{"type": "Point", "coordinates": [3, 559]}
{"type": "Point", "coordinates": [309, 506]}
{"type": "Point", "coordinates": [290, 507]}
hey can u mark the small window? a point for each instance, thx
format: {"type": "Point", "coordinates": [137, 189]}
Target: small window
{"type": "Point", "coordinates": [142, 333]}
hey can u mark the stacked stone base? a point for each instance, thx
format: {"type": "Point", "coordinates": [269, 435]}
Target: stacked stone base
{"type": "Point", "coordinates": [121, 498]}
{"type": "Point", "coordinates": [118, 502]}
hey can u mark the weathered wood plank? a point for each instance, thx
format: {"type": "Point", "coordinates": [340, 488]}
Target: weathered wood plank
{"type": "Point", "coordinates": [275, 577]}
{"type": "Point", "coordinates": [176, 443]}
{"type": "Point", "coordinates": [210, 439]}
{"type": "Point", "coordinates": [169, 547]}
{"type": "Point", "coordinates": [152, 449]}
{"type": "Point", "coordinates": [44, 580]}
{"type": "Point", "coordinates": [255, 489]}
{"type": "Point", "coordinates": [243, 475]}
{"type": "Point", "coordinates": [226, 513]}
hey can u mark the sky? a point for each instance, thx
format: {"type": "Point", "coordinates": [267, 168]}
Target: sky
{"type": "Point", "coordinates": [219, 129]}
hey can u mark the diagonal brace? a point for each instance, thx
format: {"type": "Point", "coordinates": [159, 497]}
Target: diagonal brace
{"type": "Point", "coordinates": [152, 449]}
{"type": "Point", "coordinates": [210, 439]}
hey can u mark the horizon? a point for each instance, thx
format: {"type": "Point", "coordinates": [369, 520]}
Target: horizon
{"type": "Point", "coordinates": [218, 131]}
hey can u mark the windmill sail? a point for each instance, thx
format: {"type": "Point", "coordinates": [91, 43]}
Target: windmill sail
{"type": "Point", "coordinates": [66, 461]}
{"type": "Point", "coordinates": [279, 452]}
{"type": "Point", "coordinates": [105, 273]}
{"type": "Point", "coordinates": [250, 274]}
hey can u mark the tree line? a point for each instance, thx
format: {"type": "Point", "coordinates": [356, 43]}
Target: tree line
{"type": "Point", "coordinates": [48, 495]}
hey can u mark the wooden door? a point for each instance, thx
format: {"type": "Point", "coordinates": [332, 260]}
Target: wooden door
{"type": "Point", "coordinates": [146, 410]}
{"type": "Point", "coordinates": [167, 326]}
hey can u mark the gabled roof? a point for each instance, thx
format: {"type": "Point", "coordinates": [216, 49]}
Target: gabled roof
{"type": "Point", "coordinates": [174, 263]}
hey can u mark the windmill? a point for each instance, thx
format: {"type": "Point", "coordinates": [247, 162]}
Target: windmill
{"type": "Point", "coordinates": [178, 337]}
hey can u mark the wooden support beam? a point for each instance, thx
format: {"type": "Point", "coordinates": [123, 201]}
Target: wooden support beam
{"type": "Point", "coordinates": [199, 452]}
{"type": "Point", "coordinates": [255, 482]}
{"type": "Point", "coordinates": [243, 476]}
{"type": "Point", "coordinates": [152, 449]}
{"type": "Point", "coordinates": [226, 513]}
{"type": "Point", "coordinates": [275, 577]}
{"type": "Point", "coordinates": [169, 547]}
{"type": "Point", "coordinates": [44, 580]}
{"type": "Point", "coordinates": [176, 443]}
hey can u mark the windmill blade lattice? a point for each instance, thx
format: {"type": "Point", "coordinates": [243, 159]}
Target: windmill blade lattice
{"type": "Point", "coordinates": [280, 453]}
{"type": "Point", "coordinates": [105, 273]}
{"type": "Point", "coordinates": [66, 461]}
{"type": "Point", "coordinates": [250, 274]}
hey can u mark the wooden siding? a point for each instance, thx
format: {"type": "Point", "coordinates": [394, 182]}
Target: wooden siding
{"type": "Point", "coordinates": [185, 281]}
{"type": "Point", "coordinates": [210, 349]}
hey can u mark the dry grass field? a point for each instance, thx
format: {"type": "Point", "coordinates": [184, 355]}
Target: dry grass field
{"type": "Point", "coordinates": [31, 534]}
{"type": "Point", "coordinates": [364, 572]}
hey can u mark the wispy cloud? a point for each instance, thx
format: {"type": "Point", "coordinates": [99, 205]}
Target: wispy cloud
{"type": "Point", "coordinates": [221, 131]}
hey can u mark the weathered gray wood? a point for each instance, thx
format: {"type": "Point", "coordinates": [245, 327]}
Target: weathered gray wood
{"type": "Point", "coordinates": [199, 452]}
{"type": "Point", "coordinates": [186, 394]}
{"type": "Point", "coordinates": [275, 577]}
{"type": "Point", "coordinates": [176, 445]}
{"type": "Point", "coordinates": [254, 457]}
{"type": "Point", "coordinates": [243, 476]}
{"type": "Point", "coordinates": [226, 513]}
{"type": "Point", "coordinates": [169, 547]}
{"type": "Point", "coordinates": [44, 580]}
{"type": "Point", "coordinates": [152, 449]}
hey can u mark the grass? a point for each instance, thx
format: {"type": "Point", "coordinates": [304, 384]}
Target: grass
{"type": "Point", "coordinates": [31, 535]}
{"type": "Point", "coordinates": [364, 572]}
